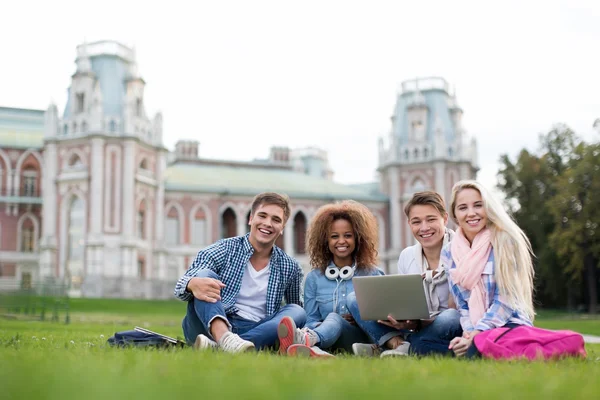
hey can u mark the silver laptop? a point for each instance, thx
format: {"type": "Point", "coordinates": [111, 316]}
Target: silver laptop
{"type": "Point", "coordinates": [401, 296]}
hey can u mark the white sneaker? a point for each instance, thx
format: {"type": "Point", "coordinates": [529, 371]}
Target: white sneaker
{"type": "Point", "coordinates": [365, 350]}
{"type": "Point", "coordinates": [204, 343]}
{"type": "Point", "coordinates": [401, 350]}
{"type": "Point", "coordinates": [302, 350]}
{"type": "Point", "coordinates": [288, 335]}
{"type": "Point", "coordinates": [232, 343]}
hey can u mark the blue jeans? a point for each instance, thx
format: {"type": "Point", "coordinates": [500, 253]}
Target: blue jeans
{"type": "Point", "coordinates": [335, 333]}
{"type": "Point", "coordinates": [262, 333]}
{"type": "Point", "coordinates": [432, 339]}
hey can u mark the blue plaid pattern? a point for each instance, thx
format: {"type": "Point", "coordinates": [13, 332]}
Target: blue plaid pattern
{"type": "Point", "coordinates": [499, 312]}
{"type": "Point", "coordinates": [228, 259]}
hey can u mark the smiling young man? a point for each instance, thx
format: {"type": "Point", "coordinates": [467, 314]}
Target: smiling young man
{"type": "Point", "coordinates": [427, 218]}
{"type": "Point", "coordinates": [235, 287]}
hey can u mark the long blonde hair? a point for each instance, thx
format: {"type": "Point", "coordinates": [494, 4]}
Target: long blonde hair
{"type": "Point", "coordinates": [512, 250]}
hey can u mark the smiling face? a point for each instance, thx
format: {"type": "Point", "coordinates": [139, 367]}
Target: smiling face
{"type": "Point", "coordinates": [266, 224]}
{"type": "Point", "coordinates": [342, 242]}
{"type": "Point", "coordinates": [470, 212]}
{"type": "Point", "coordinates": [428, 225]}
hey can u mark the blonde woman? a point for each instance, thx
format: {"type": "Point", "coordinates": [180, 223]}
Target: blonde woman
{"type": "Point", "coordinates": [490, 266]}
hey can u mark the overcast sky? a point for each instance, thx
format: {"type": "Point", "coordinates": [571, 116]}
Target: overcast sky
{"type": "Point", "coordinates": [243, 76]}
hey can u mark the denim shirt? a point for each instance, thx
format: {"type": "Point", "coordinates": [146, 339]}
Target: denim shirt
{"type": "Point", "coordinates": [319, 295]}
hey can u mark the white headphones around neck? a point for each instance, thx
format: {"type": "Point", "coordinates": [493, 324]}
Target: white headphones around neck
{"type": "Point", "coordinates": [345, 273]}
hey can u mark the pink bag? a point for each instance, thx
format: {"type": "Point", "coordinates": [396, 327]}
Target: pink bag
{"type": "Point", "coordinates": [529, 342]}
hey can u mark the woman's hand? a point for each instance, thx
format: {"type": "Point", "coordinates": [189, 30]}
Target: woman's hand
{"type": "Point", "coordinates": [406, 325]}
{"type": "Point", "coordinates": [460, 345]}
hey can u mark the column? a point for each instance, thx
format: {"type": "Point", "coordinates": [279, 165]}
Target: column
{"type": "Point", "coordinates": [395, 211]}
{"type": "Point", "coordinates": [159, 259]}
{"type": "Point", "coordinates": [49, 211]}
{"type": "Point", "coordinates": [96, 186]}
{"type": "Point", "coordinates": [127, 223]}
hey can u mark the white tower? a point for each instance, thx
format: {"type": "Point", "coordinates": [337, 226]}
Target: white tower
{"type": "Point", "coordinates": [104, 162]}
{"type": "Point", "coordinates": [426, 151]}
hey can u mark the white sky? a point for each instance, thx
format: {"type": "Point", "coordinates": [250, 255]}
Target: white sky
{"type": "Point", "coordinates": [241, 76]}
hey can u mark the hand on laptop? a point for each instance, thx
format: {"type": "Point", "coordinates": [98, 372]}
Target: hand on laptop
{"type": "Point", "coordinates": [406, 325]}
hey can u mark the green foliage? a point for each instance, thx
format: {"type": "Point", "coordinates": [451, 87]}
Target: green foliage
{"type": "Point", "coordinates": [551, 196]}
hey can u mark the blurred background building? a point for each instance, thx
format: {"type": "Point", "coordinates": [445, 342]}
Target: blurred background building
{"type": "Point", "coordinates": [92, 197]}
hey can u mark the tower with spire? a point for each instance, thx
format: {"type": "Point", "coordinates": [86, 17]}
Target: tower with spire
{"type": "Point", "coordinates": [426, 149]}
{"type": "Point", "coordinates": [103, 165]}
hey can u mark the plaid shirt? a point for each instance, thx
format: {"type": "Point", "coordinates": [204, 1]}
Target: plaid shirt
{"type": "Point", "coordinates": [498, 313]}
{"type": "Point", "coordinates": [228, 259]}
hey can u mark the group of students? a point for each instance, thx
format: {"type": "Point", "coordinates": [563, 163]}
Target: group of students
{"type": "Point", "coordinates": [244, 293]}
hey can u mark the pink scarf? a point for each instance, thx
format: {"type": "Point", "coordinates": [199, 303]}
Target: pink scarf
{"type": "Point", "coordinates": [470, 261]}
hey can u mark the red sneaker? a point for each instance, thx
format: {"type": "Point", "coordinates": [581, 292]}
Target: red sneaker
{"type": "Point", "coordinates": [288, 335]}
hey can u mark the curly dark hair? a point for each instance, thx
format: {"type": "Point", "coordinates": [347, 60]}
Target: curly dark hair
{"type": "Point", "coordinates": [363, 223]}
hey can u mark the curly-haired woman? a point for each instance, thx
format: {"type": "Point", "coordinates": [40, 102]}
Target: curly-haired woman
{"type": "Point", "coordinates": [341, 243]}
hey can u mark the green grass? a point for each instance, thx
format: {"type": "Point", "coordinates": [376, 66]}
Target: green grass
{"type": "Point", "coordinates": [45, 360]}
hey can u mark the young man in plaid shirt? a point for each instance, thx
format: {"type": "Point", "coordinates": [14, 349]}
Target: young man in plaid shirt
{"type": "Point", "coordinates": [235, 287]}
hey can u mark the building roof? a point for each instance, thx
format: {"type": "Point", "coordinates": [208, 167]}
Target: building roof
{"type": "Point", "coordinates": [21, 128]}
{"type": "Point", "coordinates": [237, 180]}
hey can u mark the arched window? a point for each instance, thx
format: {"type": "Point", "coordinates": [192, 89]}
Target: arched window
{"type": "Point", "coordinates": [74, 161]}
{"type": "Point", "coordinates": [406, 154]}
{"type": "Point", "coordinates": [299, 233]}
{"type": "Point", "coordinates": [450, 152]}
{"type": "Point", "coordinates": [144, 164]}
{"type": "Point", "coordinates": [29, 185]}
{"type": "Point", "coordinates": [84, 127]}
{"type": "Point", "coordinates": [172, 227]}
{"type": "Point", "coordinates": [27, 236]}
{"type": "Point", "coordinates": [65, 129]}
{"type": "Point", "coordinates": [425, 152]}
{"type": "Point", "coordinates": [228, 224]}
{"type": "Point", "coordinates": [112, 126]}
{"type": "Point", "coordinates": [74, 127]}
{"type": "Point", "coordinates": [416, 153]}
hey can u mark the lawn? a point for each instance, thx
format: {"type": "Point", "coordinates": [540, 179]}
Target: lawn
{"type": "Point", "coordinates": [46, 360]}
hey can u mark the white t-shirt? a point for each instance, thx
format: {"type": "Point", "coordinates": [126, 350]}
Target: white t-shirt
{"type": "Point", "coordinates": [409, 264]}
{"type": "Point", "coordinates": [252, 299]}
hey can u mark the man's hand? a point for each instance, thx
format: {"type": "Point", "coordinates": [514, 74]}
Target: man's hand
{"type": "Point", "coordinates": [349, 318]}
{"type": "Point", "coordinates": [408, 325]}
{"type": "Point", "coordinates": [206, 289]}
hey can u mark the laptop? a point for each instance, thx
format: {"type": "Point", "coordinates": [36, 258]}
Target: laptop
{"type": "Point", "coordinates": [401, 296]}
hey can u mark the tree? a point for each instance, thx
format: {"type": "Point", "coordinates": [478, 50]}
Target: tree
{"type": "Point", "coordinates": [551, 196]}
{"type": "Point", "coordinates": [576, 212]}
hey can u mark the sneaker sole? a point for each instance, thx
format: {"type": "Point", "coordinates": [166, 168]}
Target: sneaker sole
{"type": "Point", "coordinates": [392, 355]}
{"type": "Point", "coordinates": [285, 333]}
{"type": "Point", "coordinates": [303, 351]}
